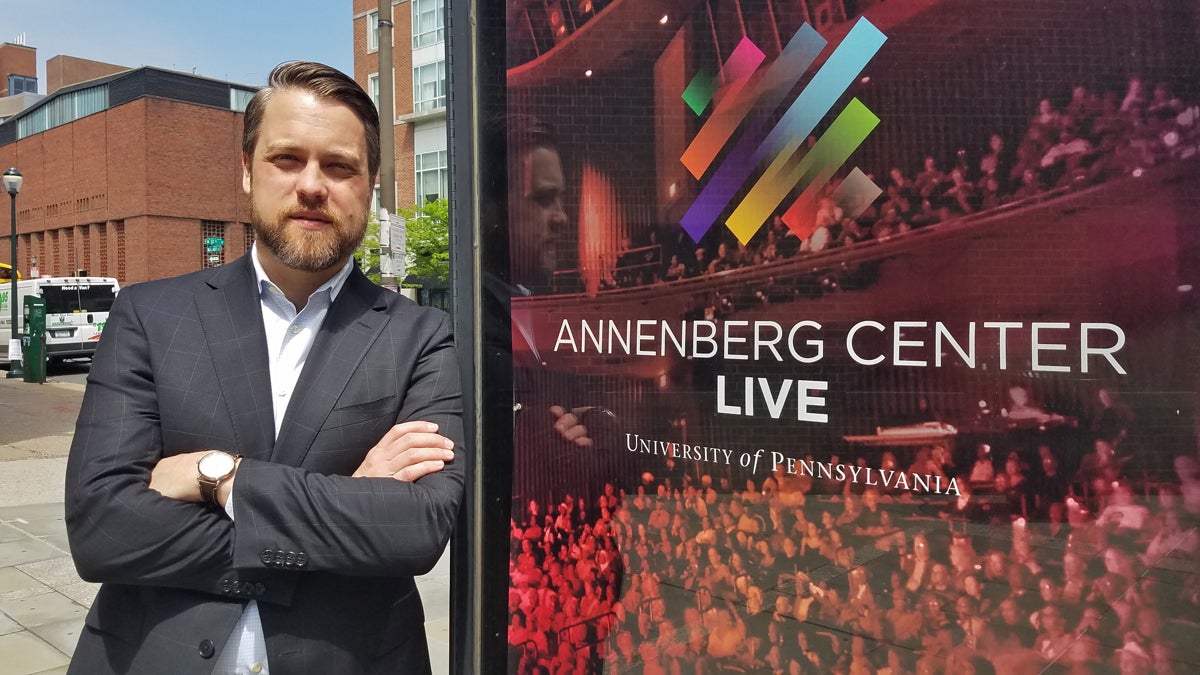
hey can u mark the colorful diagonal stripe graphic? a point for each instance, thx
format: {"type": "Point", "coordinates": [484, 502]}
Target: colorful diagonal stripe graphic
{"type": "Point", "coordinates": [729, 112]}
{"type": "Point", "coordinates": [802, 169]}
{"type": "Point", "coordinates": [790, 167]}
{"type": "Point", "coordinates": [853, 196]}
{"type": "Point", "coordinates": [856, 193]}
{"type": "Point", "coordinates": [769, 92]}
{"type": "Point", "coordinates": [700, 91]}
{"type": "Point", "coordinates": [740, 65]}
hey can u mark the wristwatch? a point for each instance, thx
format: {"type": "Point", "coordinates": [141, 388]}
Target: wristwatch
{"type": "Point", "coordinates": [215, 467]}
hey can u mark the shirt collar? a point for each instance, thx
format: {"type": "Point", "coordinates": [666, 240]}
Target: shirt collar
{"type": "Point", "coordinates": [334, 285]}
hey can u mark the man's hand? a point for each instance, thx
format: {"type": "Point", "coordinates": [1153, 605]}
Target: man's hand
{"type": "Point", "coordinates": [178, 477]}
{"type": "Point", "coordinates": [407, 452]}
{"type": "Point", "coordinates": [569, 425]}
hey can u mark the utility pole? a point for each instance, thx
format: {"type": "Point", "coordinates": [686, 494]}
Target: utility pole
{"type": "Point", "coordinates": [387, 132]}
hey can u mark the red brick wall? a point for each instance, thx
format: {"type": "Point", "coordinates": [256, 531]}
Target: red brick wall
{"type": "Point", "coordinates": [16, 60]}
{"type": "Point", "coordinates": [366, 63]}
{"type": "Point", "coordinates": [125, 156]}
{"type": "Point", "coordinates": [158, 166]}
{"type": "Point", "coordinates": [64, 71]}
{"type": "Point", "coordinates": [172, 245]}
{"type": "Point", "coordinates": [194, 170]}
{"type": "Point", "coordinates": [402, 58]}
{"type": "Point", "coordinates": [406, 181]}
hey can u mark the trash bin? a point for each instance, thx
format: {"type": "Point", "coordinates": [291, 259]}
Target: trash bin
{"type": "Point", "coordinates": [33, 342]}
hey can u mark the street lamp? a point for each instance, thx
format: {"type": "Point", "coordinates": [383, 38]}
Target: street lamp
{"type": "Point", "coordinates": [12, 183]}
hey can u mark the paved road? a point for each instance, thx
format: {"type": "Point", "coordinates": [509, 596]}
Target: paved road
{"type": "Point", "coordinates": [42, 601]}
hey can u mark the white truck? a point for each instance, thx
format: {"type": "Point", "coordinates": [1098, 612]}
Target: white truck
{"type": "Point", "coordinates": [76, 310]}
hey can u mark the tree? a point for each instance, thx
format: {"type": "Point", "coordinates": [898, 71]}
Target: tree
{"type": "Point", "coordinates": [428, 230]}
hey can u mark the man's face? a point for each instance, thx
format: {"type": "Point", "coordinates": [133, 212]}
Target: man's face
{"type": "Point", "coordinates": [1052, 619]}
{"type": "Point", "coordinates": [536, 188]}
{"type": "Point", "coordinates": [1008, 611]}
{"type": "Point", "coordinates": [308, 181]}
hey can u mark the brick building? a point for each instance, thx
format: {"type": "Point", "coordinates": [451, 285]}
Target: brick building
{"type": "Point", "coordinates": [419, 76]}
{"type": "Point", "coordinates": [64, 70]}
{"type": "Point", "coordinates": [127, 174]}
{"type": "Point", "coordinates": [18, 69]}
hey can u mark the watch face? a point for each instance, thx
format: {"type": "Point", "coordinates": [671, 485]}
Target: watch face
{"type": "Point", "coordinates": [216, 465]}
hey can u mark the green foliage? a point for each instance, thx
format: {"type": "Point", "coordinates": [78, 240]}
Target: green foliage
{"type": "Point", "coordinates": [428, 229]}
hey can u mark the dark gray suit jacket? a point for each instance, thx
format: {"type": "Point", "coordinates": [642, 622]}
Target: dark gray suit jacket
{"type": "Point", "coordinates": [330, 559]}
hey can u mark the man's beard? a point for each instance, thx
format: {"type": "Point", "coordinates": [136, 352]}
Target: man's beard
{"type": "Point", "coordinates": [308, 250]}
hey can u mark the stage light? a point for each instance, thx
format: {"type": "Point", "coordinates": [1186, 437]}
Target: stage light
{"type": "Point", "coordinates": [557, 21]}
{"type": "Point", "coordinates": [664, 19]}
{"type": "Point", "coordinates": [587, 73]}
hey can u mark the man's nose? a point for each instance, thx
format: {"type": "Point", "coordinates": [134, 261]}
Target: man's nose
{"type": "Point", "coordinates": [311, 183]}
{"type": "Point", "coordinates": [558, 215]}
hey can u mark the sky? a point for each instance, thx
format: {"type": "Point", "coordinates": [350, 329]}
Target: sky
{"type": "Point", "coordinates": [239, 41]}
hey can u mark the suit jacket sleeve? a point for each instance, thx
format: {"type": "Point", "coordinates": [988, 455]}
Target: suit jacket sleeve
{"type": "Point", "coordinates": [292, 518]}
{"type": "Point", "coordinates": [119, 529]}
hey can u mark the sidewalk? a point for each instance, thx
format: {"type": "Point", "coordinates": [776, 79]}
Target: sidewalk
{"type": "Point", "coordinates": [42, 601]}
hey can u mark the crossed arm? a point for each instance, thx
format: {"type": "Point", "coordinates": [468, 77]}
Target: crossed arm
{"type": "Point", "coordinates": [134, 517]}
{"type": "Point", "coordinates": [407, 452]}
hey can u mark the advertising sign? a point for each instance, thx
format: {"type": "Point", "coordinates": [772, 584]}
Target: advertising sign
{"type": "Point", "coordinates": [847, 337]}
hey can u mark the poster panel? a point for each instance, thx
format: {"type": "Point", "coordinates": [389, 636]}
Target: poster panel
{"type": "Point", "coordinates": [849, 336]}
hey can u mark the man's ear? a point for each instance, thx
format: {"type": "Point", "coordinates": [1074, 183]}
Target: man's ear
{"type": "Point", "coordinates": [246, 173]}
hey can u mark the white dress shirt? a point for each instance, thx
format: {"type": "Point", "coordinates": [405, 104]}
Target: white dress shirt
{"type": "Point", "coordinates": [290, 336]}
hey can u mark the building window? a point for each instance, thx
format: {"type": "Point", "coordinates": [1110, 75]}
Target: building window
{"type": "Point", "coordinates": [240, 98]}
{"type": "Point", "coordinates": [429, 87]}
{"type": "Point", "coordinates": [373, 88]}
{"type": "Point", "coordinates": [212, 243]}
{"type": "Point", "coordinates": [63, 109]}
{"type": "Point", "coordinates": [432, 176]}
{"type": "Point", "coordinates": [428, 22]}
{"type": "Point", "coordinates": [373, 32]}
{"type": "Point", "coordinates": [21, 84]}
{"type": "Point", "coordinates": [247, 237]}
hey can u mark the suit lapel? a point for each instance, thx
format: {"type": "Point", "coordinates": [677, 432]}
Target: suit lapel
{"type": "Point", "coordinates": [232, 319]}
{"type": "Point", "coordinates": [354, 322]}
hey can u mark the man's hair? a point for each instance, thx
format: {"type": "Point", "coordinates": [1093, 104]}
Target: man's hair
{"type": "Point", "coordinates": [328, 84]}
{"type": "Point", "coordinates": [527, 133]}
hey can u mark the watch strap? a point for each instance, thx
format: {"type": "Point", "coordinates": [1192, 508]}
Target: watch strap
{"type": "Point", "coordinates": [208, 491]}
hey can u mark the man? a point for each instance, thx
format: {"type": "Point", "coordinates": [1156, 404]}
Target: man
{"type": "Point", "coordinates": [269, 451]}
{"type": "Point", "coordinates": [536, 188]}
